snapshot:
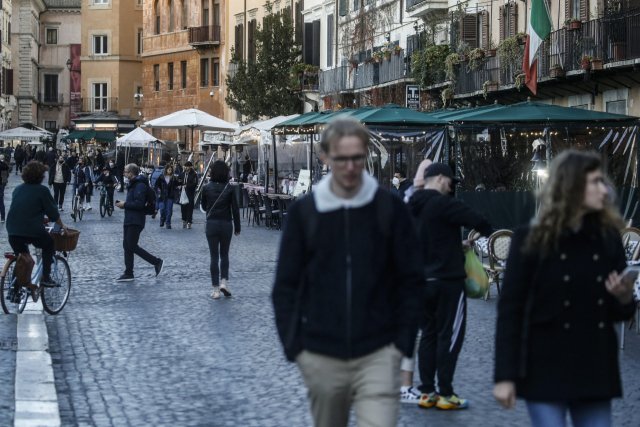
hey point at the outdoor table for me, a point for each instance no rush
(256, 188)
(282, 196)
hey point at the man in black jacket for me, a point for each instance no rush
(120, 169)
(134, 221)
(189, 180)
(51, 158)
(348, 288)
(19, 155)
(439, 217)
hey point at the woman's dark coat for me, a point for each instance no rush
(167, 191)
(220, 202)
(555, 330)
(66, 172)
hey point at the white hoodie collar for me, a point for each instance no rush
(326, 201)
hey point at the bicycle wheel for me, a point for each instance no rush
(11, 305)
(80, 212)
(54, 297)
(103, 207)
(75, 208)
(109, 208)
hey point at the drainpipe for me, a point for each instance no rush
(245, 33)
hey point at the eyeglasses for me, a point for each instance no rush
(343, 161)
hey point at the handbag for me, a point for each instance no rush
(477, 283)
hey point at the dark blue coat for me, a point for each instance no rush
(134, 204)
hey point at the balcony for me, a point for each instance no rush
(364, 75)
(51, 98)
(98, 105)
(418, 8)
(205, 35)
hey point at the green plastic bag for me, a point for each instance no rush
(477, 282)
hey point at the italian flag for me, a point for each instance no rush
(538, 29)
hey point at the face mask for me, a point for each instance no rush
(126, 179)
(395, 181)
(110, 163)
(60, 161)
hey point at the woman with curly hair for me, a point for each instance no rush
(30, 203)
(555, 343)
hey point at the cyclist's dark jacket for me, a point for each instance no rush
(29, 205)
(136, 199)
(107, 180)
(83, 175)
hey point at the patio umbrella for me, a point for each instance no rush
(392, 114)
(191, 119)
(137, 138)
(24, 134)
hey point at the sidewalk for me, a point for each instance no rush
(8, 350)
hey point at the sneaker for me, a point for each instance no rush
(452, 402)
(215, 295)
(1, 221)
(161, 223)
(428, 401)
(159, 267)
(88, 206)
(184, 224)
(125, 278)
(61, 209)
(409, 394)
(189, 225)
(168, 227)
(225, 290)
(48, 283)
(72, 215)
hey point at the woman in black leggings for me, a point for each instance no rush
(221, 205)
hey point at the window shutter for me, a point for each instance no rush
(9, 85)
(501, 23)
(307, 45)
(343, 7)
(316, 43)
(330, 41)
(584, 10)
(485, 30)
(469, 27)
(513, 19)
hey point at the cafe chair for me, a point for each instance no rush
(271, 215)
(258, 211)
(245, 201)
(281, 212)
(499, 243)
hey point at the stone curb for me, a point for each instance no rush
(36, 400)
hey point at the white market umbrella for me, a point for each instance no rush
(137, 138)
(23, 134)
(191, 119)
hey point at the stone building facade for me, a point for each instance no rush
(7, 101)
(184, 60)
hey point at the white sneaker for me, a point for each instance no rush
(225, 290)
(409, 395)
(215, 295)
(88, 206)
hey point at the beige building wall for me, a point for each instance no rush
(7, 102)
(120, 68)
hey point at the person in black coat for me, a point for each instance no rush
(188, 180)
(246, 168)
(40, 156)
(51, 157)
(220, 202)
(59, 178)
(167, 186)
(19, 156)
(99, 162)
(110, 182)
(556, 346)
(120, 169)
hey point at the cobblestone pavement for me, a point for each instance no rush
(160, 352)
(8, 348)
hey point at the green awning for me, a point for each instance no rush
(392, 114)
(296, 120)
(536, 112)
(82, 134)
(105, 136)
(465, 112)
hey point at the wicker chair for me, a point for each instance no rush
(499, 243)
(628, 235)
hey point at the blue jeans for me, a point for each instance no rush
(166, 211)
(596, 413)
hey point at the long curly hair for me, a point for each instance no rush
(561, 200)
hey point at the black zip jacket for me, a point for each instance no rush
(364, 288)
(71, 162)
(225, 207)
(191, 182)
(438, 220)
(66, 173)
(107, 180)
(167, 191)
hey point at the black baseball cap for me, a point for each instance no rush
(438, 168)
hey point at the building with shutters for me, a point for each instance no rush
(111, 60)
(7, 100)
(185, 53)
(44, 35)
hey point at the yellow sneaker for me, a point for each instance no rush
(427, 401)
(453, 402)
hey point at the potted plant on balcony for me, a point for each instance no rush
(476, 59)
(386, 53)
(396, 50)
(377, 56)
(596, 63)
(463, 51)
(298, 69)
(447, 95)
(489, 86)
(491, 49)
(354, 63)
(556, 71)
(585, 63)
(510, 55)
(520, 80)
(522, 38)
(451, 62)
(573, 24)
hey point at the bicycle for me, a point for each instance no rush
(54, 297)
(77, 208)
(105, 203)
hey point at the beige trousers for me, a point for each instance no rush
(371, 383)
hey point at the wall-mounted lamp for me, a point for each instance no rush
(388, 37)
(69, 65)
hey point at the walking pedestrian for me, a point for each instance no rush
(134, 222)
(401, 184)
(4, 180)
(40, 156)
(51, 158)
(167, 190)
(120, 169)
(59, 178)
(556, 346)
(83, 183)
(72, 160)
(189, 181)
(220, 202)
(246, 168)
(99, 164)
(439, 217)
(348, 288)
(157, 173)
(19, 156)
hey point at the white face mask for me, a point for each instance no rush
(110, 163)
(126, 180)
(395, 181)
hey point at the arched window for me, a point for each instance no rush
(185, 14)
(172, 16)
(156, 13)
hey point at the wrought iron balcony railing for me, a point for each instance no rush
(99, 104)
(51, 98)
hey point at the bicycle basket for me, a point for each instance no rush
(65, 242)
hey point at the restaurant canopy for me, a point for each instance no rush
(137, 138)
(23, 134)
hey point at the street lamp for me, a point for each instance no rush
(69, 65)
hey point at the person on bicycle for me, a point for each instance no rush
(30, 203)
(110, 182)
(82, 174)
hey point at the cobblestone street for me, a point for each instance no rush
(160, 352)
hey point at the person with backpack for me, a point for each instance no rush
(140, 202)
(348, 290)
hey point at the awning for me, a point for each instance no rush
(105, 136)
(82, 134)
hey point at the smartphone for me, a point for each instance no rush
(117, 201)
(632, 272)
